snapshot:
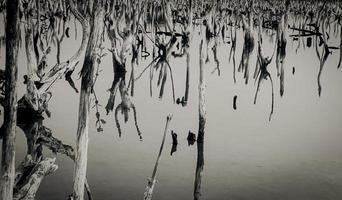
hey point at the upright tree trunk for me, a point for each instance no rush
(201, 98)
(10, 108)
(200, 136)
(199, 171)
(91, 56)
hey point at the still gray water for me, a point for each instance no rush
(296, 155)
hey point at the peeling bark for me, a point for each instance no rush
(28, 189)
(91, 55)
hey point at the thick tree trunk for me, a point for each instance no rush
(31, 96)
(10, 109)
(91, 56)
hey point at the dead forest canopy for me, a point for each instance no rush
(130, 31)
(160, 31)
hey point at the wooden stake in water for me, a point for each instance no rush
(152, 181)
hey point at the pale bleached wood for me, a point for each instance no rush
(152, 181)
(201, 129)
(29, 188)
(87, 73)
(201, 97)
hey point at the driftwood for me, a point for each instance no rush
(10, 106)
(37, 136)
(56, 146)
(152, 181)
(27, 187)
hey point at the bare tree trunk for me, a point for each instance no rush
(31, 96)
(201, 106)
(199, 171)
(200, 136)
(10, 115)
(91, 56)
(152, 181)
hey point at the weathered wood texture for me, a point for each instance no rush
(152, 181)
(27, 188)
(87, 73)
(10, 108)
(201, 129)
(199, 171)
(201, 98)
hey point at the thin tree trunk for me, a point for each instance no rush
(200, 136)
(87, 73)
(10, 109)
(199, 171)
(201, 105)
(152, 181)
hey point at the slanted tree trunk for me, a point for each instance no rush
(28, 190)
(10, 108)
(87, 73)
(152, 181)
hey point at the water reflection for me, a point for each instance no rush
(199, 171)
(35, 167)
(168, 33)
(174, 142)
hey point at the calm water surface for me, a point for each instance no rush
(297, 155)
